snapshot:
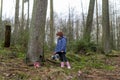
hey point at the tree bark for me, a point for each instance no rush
(21, 31)
(27, 27)
(7, 36)
(97, 32)
(22, 21)
(106, 26)
(119, 38)
(77, 29)
(1, 28)
(51, 24)
(1, 6)
(37, 31)
(112, 35)
(87, 30)
(22, 24)
(70, 36)
(15, 33)
(83, 20)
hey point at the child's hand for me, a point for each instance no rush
(54, 53)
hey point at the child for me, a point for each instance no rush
(61, 49)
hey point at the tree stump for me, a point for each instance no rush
(7, 35)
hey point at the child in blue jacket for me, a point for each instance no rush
(61, 49)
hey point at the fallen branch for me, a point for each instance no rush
(52, 61)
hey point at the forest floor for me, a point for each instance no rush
(92, 67)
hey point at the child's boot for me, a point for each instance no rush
(62, 64)
(68, 65)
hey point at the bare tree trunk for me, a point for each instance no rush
(77, 29)
(21, 31)
(1, 28)
(111, 35)
(83, 21)
(70, 24)
(106, 26)
(113, 27)
(97, 33)
(22, 22)
(27, 27)
(51, 24)
(7, 36)
(47, 37)
(87, 30)
(117, 26)
(119, 38)
(15, 33)
(1, 6)
(37, 31)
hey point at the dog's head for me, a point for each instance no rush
(55, 57)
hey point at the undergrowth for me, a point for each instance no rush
(78, 62)
(92, 61)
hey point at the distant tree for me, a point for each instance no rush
(51, 24)
(106, 26)
(22, 24)
(1, 6)
(119, 37)
(97, 32)
(28, 15)
(7, 35)
(112, 35)
(113, 25)
(77, 29)
(27, 25)
(1, 29)
(87, 30)
(28, 11)
(83, 19)
(15, 33)
(70, 25)
(37, 31)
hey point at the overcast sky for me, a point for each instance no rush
(60, 6)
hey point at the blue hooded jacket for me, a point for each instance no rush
(61, 44)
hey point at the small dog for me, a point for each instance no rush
(55, 57)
